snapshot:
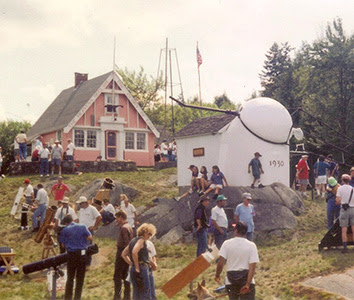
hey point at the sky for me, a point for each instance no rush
(43, 43)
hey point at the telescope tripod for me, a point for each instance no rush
(56, 274)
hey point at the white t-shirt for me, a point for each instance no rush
(218, 214)
(164, 148)
(344, 193)
(70, 149)
(42, 197)
(44, 153)
(151, 248)
(62, 212)
(16, 145)
(109, 208)
(28, 190)
(21, 138)
(88, 215)
(130, 210)
(239, 254)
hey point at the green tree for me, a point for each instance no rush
(224, 102)
(8, 132)
(145, 90)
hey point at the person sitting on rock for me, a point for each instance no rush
(216, 182)
(203, 179)
(107, 212)
(194, 182)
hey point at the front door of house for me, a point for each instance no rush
(111, 145)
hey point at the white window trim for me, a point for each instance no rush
(85, 129)
(136, 141)
(116, 102)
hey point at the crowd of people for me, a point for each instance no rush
(165, 151)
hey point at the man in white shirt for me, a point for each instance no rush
(44, 161)
(57, 156)
(346, 216)
(130, 210)
(28, 193)
(21, 139)
(240, 256)
(89, 216)
(70, 150)
(164, 150)
(42, 201)
(219, 221)
(60, 214)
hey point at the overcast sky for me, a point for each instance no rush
(42, 43)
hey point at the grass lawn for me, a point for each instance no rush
(285, 260)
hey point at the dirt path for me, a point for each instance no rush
(338, 284)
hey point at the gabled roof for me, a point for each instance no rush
(205, 126)
(72, 103)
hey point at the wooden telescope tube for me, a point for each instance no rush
(49, 217)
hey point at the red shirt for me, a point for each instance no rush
(59, 191)
(303, 169)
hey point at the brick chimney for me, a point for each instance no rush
(80, 77)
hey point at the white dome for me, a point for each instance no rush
(267, 118)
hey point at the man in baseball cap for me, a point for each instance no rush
(219, 221)
(245, 212)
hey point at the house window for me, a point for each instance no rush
(140, 141)
(85, 138)
(135, 141)
(108, 99)
(129, 140)
(91, 139)
(79, 138)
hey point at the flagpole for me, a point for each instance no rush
(200, 91)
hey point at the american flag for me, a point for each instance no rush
(199, 57)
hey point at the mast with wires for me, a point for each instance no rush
(170, 57)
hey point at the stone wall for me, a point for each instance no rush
(30, 168)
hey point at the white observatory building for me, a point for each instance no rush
(229, 141)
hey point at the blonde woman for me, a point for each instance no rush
(136, 254)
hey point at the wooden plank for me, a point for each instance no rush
(17, 201)
(188, 274)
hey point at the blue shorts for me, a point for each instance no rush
(56, 161)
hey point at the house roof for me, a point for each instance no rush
(71, 103)
(204, 126)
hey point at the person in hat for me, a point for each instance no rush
(164, 150)
(201, 224)
(70, 150)
(245, 212)
(333, 208)
(60, 214)
(42, 201)
(257, 170)
(351, 176)
(240, 257)
(90, 217)
(219, 221)
(302, 174)
(346, 215)
(57, 156)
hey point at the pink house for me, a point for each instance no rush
(102, 118)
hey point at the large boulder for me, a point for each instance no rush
(276, 207)
(90, 190)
